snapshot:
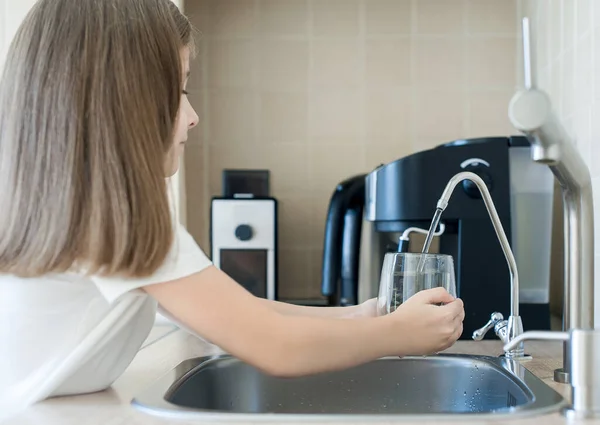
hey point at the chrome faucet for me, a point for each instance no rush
(509, 329)
(530, 111)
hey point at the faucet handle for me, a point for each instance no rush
(495, 318)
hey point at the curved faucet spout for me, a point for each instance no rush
(489, 204)
(513, 327)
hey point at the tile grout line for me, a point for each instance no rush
(206, 131)
(412, 74)
(466, 124)
(362, 60)
(309, 138)
(257, 88)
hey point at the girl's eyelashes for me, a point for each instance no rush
(184, 92)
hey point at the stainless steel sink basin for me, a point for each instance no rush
(445, 386)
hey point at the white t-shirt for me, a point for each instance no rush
(70, 334)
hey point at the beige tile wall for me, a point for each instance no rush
(319, 90)
(568, 58)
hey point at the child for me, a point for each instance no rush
(93, 116)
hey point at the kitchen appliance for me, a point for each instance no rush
(243, 231)
(245, 183)
(403, 194)
(342, 242)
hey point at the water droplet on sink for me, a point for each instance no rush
(465, 393)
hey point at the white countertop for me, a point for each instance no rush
(166, 347)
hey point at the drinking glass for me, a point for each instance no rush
(404, 274)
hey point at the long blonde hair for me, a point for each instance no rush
(88, 102)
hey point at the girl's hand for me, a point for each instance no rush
(428, 327)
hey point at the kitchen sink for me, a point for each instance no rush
(440, 386)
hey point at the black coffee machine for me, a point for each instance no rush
(340, 274)
(403, 194)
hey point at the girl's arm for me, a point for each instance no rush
(213, 305)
